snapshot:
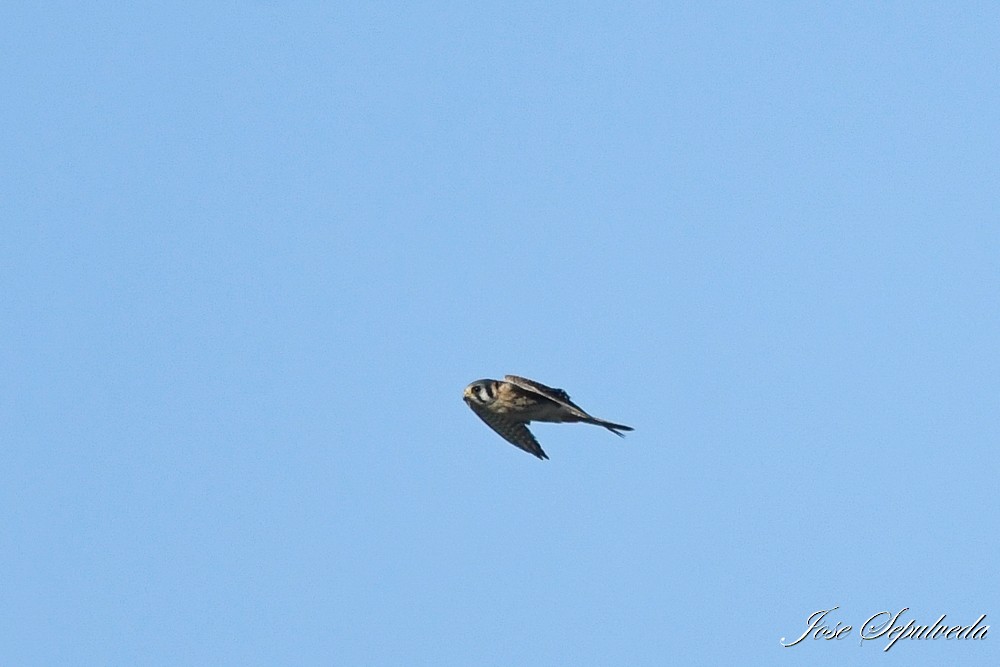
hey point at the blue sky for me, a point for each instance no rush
(253, 253)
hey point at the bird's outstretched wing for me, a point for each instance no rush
(555, 395)
(562, 398)
(514, 432)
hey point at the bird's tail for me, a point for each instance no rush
(611, 426)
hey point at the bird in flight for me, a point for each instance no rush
(509, 405)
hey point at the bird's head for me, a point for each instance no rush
(480, 391)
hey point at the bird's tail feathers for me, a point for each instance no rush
(611, 426)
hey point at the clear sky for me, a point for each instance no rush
(252, 254)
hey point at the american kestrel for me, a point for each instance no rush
(509, 405)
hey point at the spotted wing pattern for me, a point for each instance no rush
(556, 395)
(560, 397)
(514, 432)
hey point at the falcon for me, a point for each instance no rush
(509, 405)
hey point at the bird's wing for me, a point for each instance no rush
(514, 432)
(562, 398)
(555, 395)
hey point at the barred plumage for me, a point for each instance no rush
(509, 405)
